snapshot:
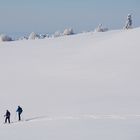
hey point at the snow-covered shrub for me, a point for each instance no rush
(101, 29)
(5, 38)
(128, 24)
(47, 36)
(23, 38)
(42, 36)
(68, 31)
(57, 34)
(33, 36)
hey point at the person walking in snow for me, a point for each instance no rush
(19, 111)
(7, 116)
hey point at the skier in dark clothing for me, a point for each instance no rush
(19, 111)
(7, 115)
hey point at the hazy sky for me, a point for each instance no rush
(51, 15)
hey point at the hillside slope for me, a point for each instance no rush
(72, 80)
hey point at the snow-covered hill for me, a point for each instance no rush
(79, 87)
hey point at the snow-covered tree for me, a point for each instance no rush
(33, 36)
(128, 24)
(101, 29)
(68, 31)
(5, 38)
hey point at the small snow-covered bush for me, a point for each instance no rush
(68, 31)
(101, 29)
(23, 38)
(5, 38)
(42, 36)
(33, 36)
(57, 34)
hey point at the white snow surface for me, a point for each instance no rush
(79, 87)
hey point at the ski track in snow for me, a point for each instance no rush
(80, 117)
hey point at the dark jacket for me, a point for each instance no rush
(19, 110)
(7, 114)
